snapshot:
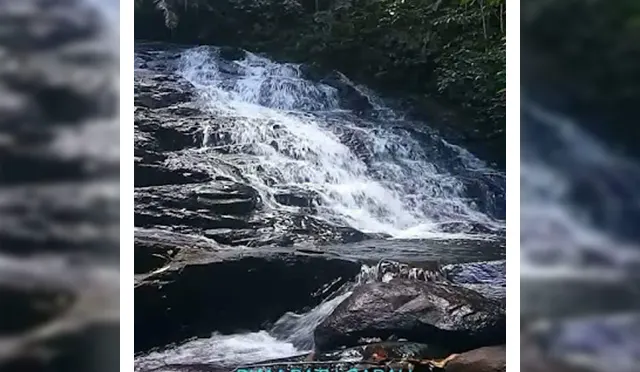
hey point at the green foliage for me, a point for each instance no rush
(595, 44)
(451, 51)
(588, 53)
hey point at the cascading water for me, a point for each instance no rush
(366, 168)
(363, 172)
(577, 200)
(579, 212)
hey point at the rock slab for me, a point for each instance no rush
(434, 313)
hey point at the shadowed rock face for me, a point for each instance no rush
(460, 319)
(202, 287)
(175, 187)
(59, 188)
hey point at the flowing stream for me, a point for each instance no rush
(375, 173)
(580, 208)
(369, 169)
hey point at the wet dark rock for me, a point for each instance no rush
(420, 253)
(161, 79)
(144, 142)
(323, 232)
(155, 247)
(24, 309)
(158, 100)
(251, 237)
(217, 205)
(357, 141)
(69, 218)
(231, 53)
(484, 195)
(158, 135)
(488, 272)
(218, 166)
(464, 227)
(294, 197)
(158, 90)
(487, 278)
(226, 291)
(145, 216)
(185, 111)
(497, 293)
(219, 197)
(349, 95)
(458, 318)
(312, 71)
(142, 156)
(229, 68)
(484, 359)
(350, 235)
(157, 175)
(231, 236)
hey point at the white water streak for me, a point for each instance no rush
(268, 111)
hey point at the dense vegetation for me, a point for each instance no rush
(583, 56)
(448, 56)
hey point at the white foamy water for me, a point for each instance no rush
(292, 334)
(220, 350)
(365, 174)
(558, 232)
(298, 328)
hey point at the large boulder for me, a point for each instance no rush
(453, 317)
(484, 359)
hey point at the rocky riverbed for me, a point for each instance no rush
(287, 218)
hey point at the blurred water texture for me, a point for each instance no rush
(59, 185)
(580, 201)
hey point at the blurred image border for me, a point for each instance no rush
(126, 186)
(513, 186)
